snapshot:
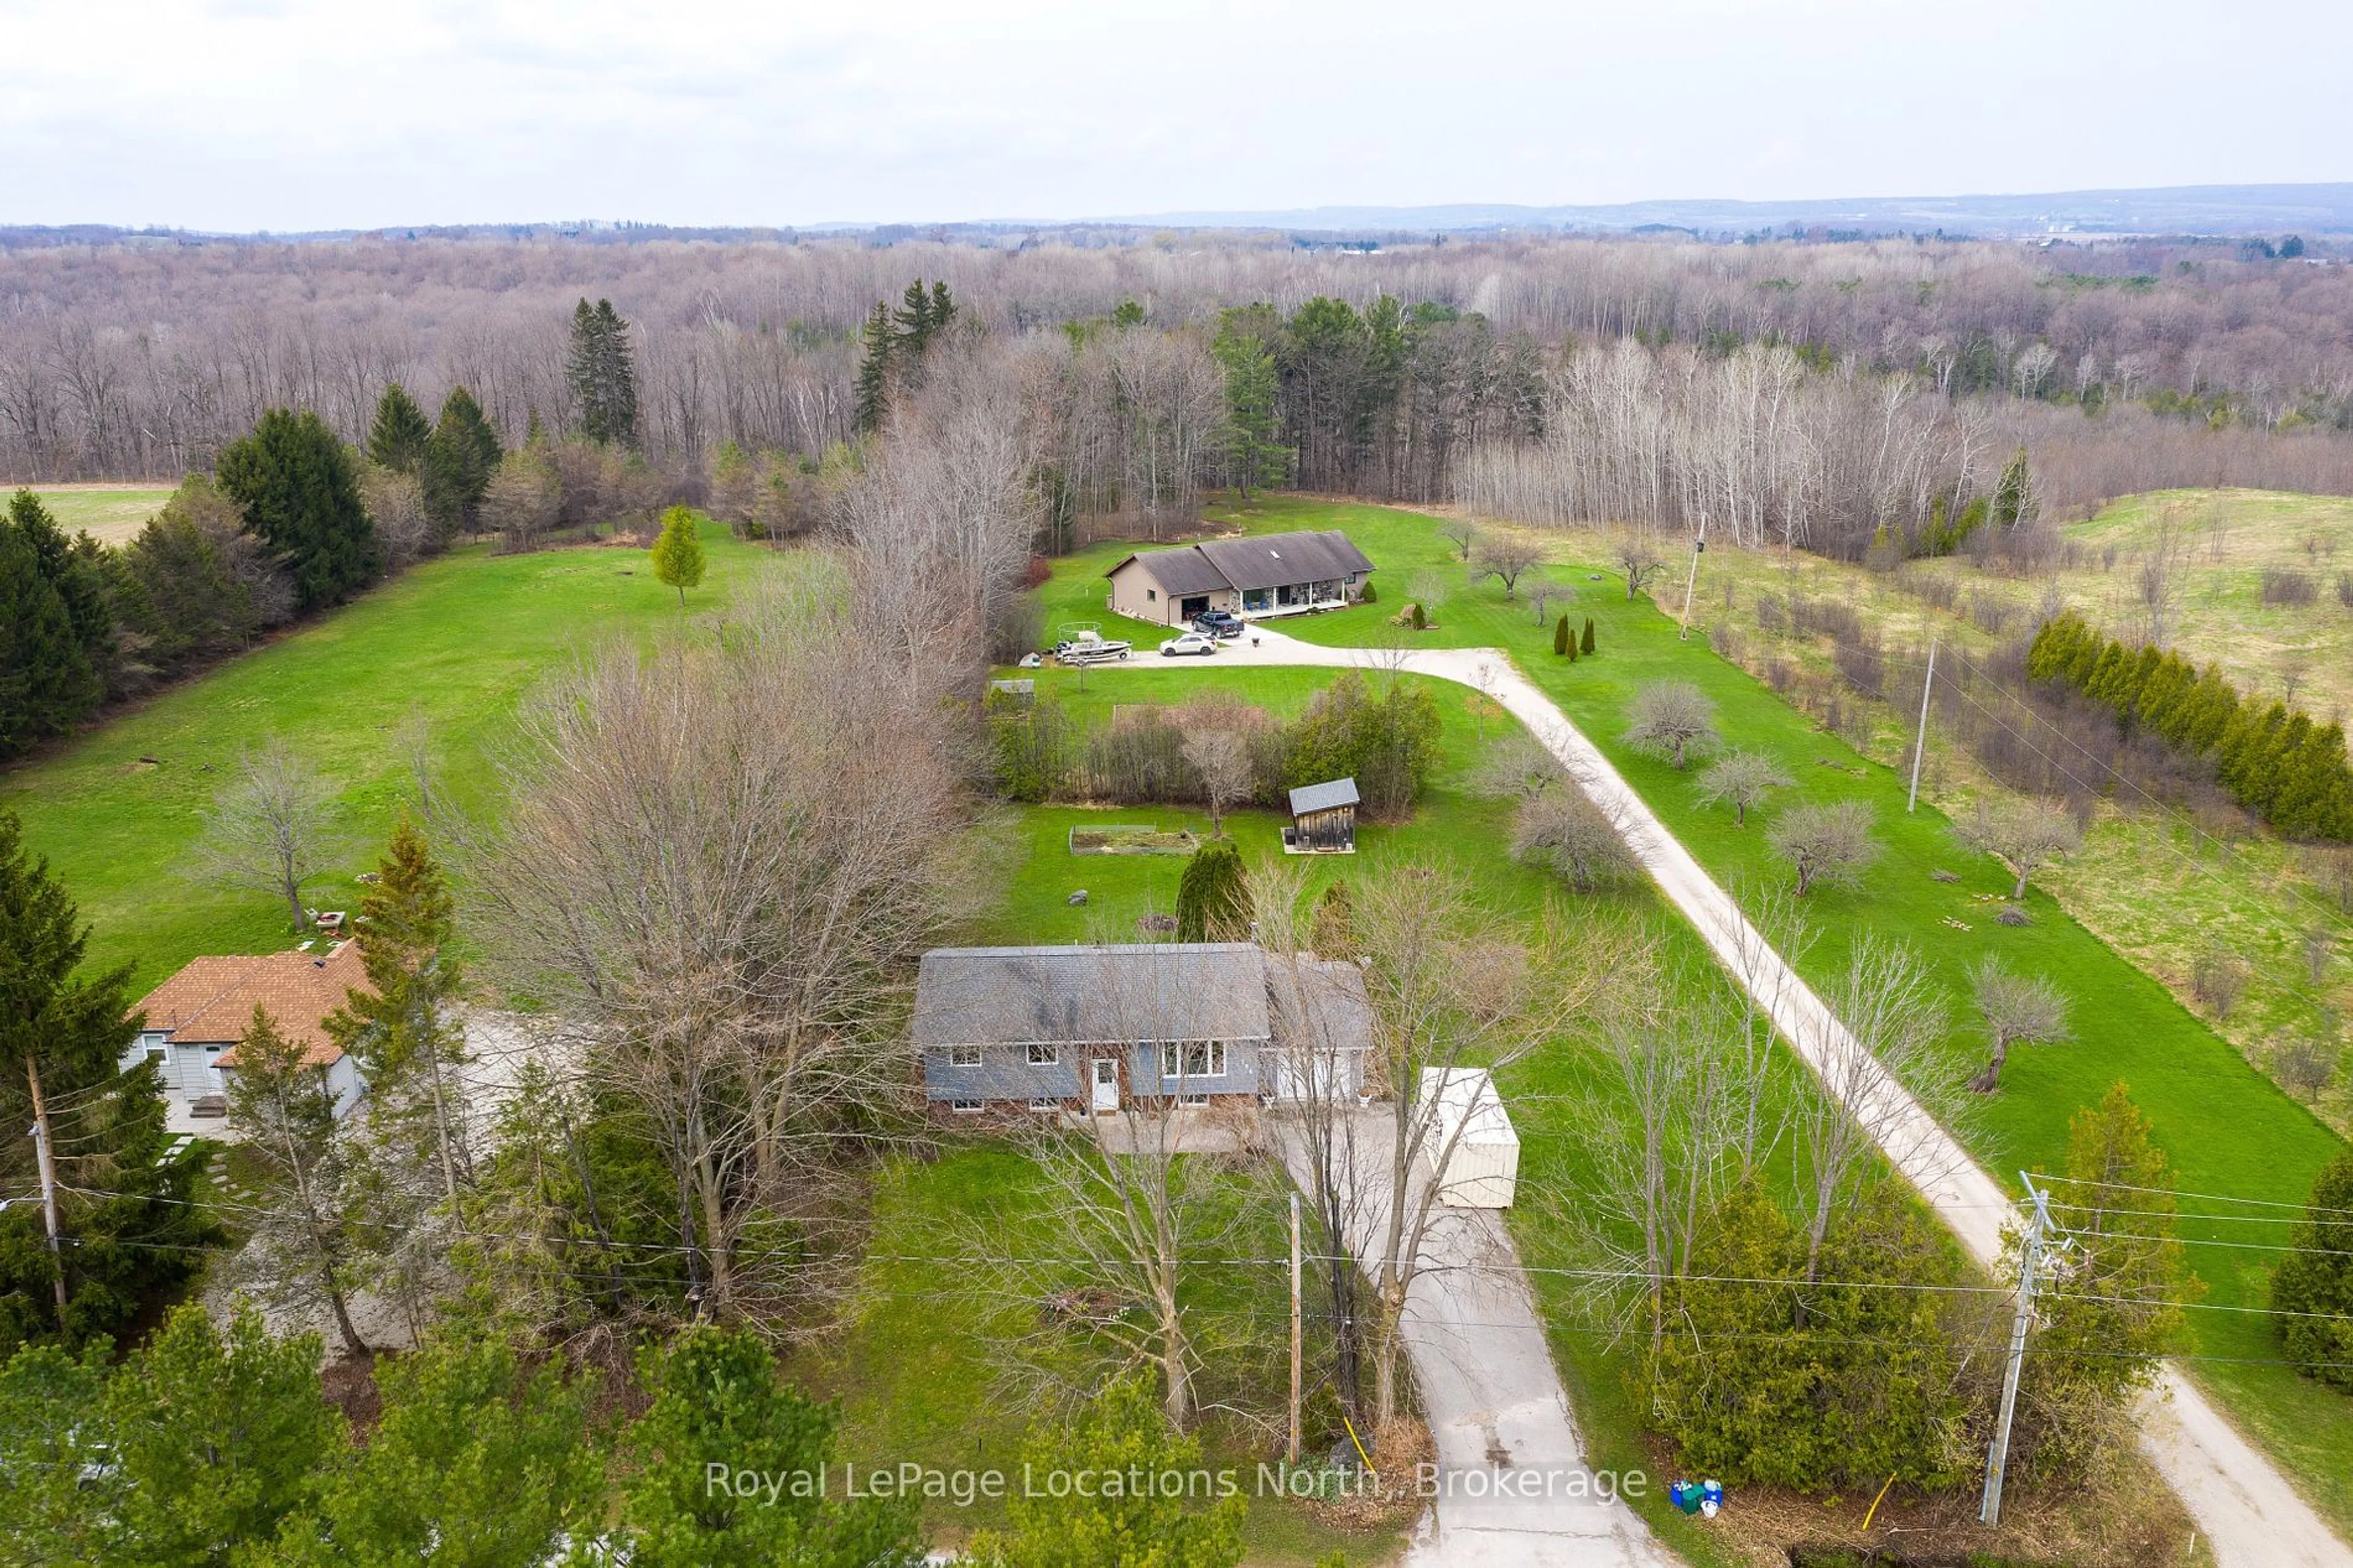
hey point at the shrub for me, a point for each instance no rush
(2218, 979)
(1387, 744)
(1588, 635)
(1371, 595)
(2306, 1066)
(2286, 586)
(1560, 637)
(1723, 641)
(1419, 616)
(2345, 589)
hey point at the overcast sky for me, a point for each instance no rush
(295, 114)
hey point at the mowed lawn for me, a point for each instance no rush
(454, 642)
(2226, 1129)
(114, 514)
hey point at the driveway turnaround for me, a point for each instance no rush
(1511, 1488)
(2252, 1517)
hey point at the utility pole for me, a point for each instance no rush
(1920, 746)
(2030, 1265)
(46, 1158)
(1294, 1328)
(1690, 583)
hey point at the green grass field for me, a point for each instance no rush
(455, 641)
(111, 513)
(2226, 1129)
(2158, 886)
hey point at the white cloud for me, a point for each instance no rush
(297, 114)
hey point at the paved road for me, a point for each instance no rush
(2252, 1517)
(1511, 1489)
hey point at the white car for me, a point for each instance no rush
(1191, 642)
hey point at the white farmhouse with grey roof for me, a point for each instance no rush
(1099, 1028)
(1255, 576)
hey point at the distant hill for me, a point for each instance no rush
(2169, 210)
(2311, 211)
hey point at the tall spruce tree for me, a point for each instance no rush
(400, 1029)
(47, 682)
(603, 374)
(459, 459)
(62, 1036)
(877, 344)
(295, 484)
(397, 440)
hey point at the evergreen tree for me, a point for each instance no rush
(50, 1448)
(296, 486)
(603, 375)
(397, 440)
(2312, 1286)
(877, 343)
(474, 1461)
(914, 319)
(1256, 458)
(461, 455)
(215, 1438)
(1560, 637)
(399, 1029)
(1119, 1431)
(76, 569)
(47, 683)
(62, 1035)
(309, 1240)
(678, 553)
(1213, 897)
(717, 1401)
(1588, 643)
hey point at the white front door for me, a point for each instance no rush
(1107, 1099)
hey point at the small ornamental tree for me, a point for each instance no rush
(678, 553)
(1212, 900)
(1741, 780)
(2026, 834)
(2013, 1009)
(1670, 720)
(1588, 643)
(1827, 845)
(1560, 639)
(2312, 1286)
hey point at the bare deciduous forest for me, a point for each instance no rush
(1819, 389)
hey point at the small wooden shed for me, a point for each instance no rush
(1322, 819)
(1471, 1148)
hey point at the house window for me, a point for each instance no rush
(1150, 594)
(1045, 1056)
(966, 1106)
(1045, 1104)
(963, 1055)
(1194, 1058)
(1192, 1100)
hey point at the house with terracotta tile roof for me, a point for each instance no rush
(195, 1020)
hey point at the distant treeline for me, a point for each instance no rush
(2223, 363)
(2274, 759)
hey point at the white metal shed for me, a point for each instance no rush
(1471, 1148)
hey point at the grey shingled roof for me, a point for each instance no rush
(1271, 560)
(1160, 991)
(1264, 560)
(1323, 796)
(1320, 1004)
(1178, 572)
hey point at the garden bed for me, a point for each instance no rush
(1127, 840)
